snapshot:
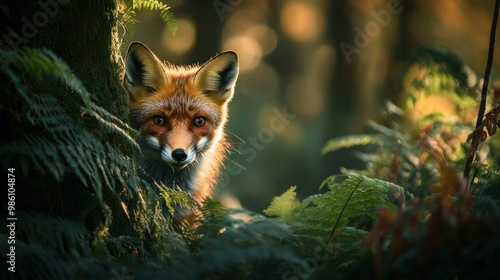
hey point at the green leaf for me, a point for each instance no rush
(283, 206)
(333, 219)
(166, 15)
(61, 118)
(350, 141)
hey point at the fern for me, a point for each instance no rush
(370, 194)
(59, 141)
(363, 194)
(488, 173)
(235, 248)
(382, 148)
(405, 157)
(351, 141)
(74, 146)
(177, 202)
(56, 139)
(74, 151)
(152, 5)
(126, 18)
(335, 216)
(446, 66)
(65, 262)
(63, 249)
(85, 183)
(283, 206)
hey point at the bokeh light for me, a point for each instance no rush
(301, 21)
(183, 41)
(264, 36)
(290, 57)
(249, 51)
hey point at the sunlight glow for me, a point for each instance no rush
(183, 41)
(301, 21)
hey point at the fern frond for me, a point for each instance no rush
(332, 217)
(351, 141)
(59, 140)
(126, 17)
(446, 63)
(176, 200)
(43, 65)
(283, 206)
(240, 244)
(166, 15)
(57, 248)
(488, 173)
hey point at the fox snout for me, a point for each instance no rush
(176, 155)
(179, 155)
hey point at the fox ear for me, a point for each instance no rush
(217, 76)
(144, 72)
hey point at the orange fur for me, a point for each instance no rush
(180, 113)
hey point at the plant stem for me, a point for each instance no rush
(340, 216)
(484, 91)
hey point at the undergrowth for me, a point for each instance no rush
(86, 211)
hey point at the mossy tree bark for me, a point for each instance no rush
(84, 34)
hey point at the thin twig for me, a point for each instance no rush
(487, 72)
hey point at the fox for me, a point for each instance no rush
(180, 113)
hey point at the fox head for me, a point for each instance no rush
(180, 112)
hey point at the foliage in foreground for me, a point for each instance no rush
(86, 212)
(128, 19)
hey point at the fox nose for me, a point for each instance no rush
(179, 155)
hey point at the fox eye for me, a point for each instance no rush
(199, 121)
(159, 121)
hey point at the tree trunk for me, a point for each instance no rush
(84, 34)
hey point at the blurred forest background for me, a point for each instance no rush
(309, 59)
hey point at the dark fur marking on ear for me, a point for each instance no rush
(135, 68)
(227, 75)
